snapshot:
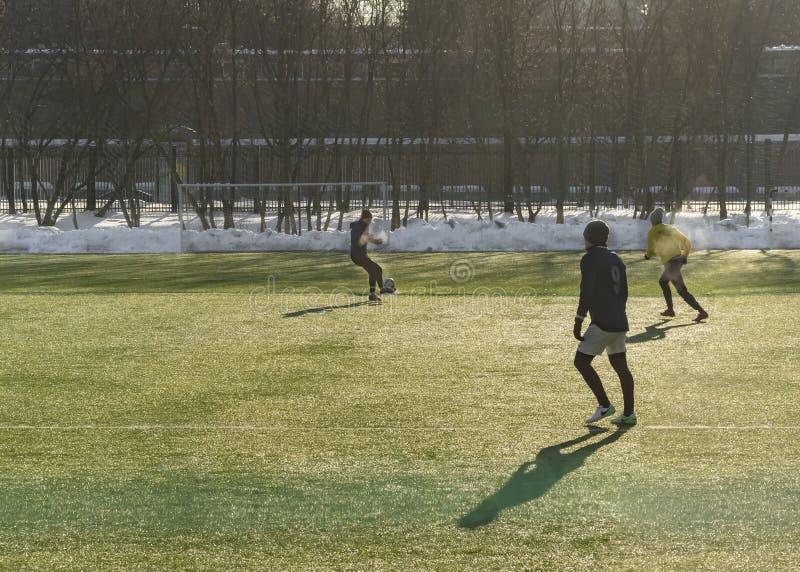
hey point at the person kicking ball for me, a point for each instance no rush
(604, 293)
(359, 238)
(673, 248)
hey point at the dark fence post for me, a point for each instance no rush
(768, 177)
(593, 206)
(91, 188)
(173, 184)
(8, 178)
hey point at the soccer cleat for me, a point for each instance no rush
(387, 290)
(601, 412)
(701, 316)
(669, 313)
(623, 419)
(374, 298)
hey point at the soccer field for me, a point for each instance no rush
(246, 412)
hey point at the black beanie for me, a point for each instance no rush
(596, 232)
(657, 216)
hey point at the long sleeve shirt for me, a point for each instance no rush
(358, 240)
(667, 242)
(604, 289)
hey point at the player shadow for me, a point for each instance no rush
(534, 478)
(653, 332)
(322, 309)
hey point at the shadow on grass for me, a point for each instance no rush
(322, 309)
(534, 478)
(653, 332)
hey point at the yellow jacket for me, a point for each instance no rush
(668, 242)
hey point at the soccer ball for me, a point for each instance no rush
(389, 284)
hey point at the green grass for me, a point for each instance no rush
(241, 412)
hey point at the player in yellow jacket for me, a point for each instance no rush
(673, 247)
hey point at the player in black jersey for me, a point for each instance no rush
(359, 238)
(604, 293)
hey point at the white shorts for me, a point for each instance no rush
(596, 340)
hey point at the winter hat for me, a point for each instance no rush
(657, 216)
(596, 232)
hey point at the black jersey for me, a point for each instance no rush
(358, 251)
(604, 289)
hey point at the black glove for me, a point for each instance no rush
(576, 330)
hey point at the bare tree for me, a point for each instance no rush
(51, 117)
(637, 33)
(137, 66)
(725, 27)
(481, 107)
(566, 21)
(784, 83)
(9, 70)
(535, 84)
(393, 101)
(757, 23)
(208, 114)
(282, 32)
(430, 30)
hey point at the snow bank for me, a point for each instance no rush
(508, 233)
(236, 240)
(52, 240)
(160, 234)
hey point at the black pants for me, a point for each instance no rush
(373, 269)
(583, 363)
(672, 273)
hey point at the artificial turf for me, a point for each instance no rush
(208, 412)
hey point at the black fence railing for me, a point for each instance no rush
(423, 179)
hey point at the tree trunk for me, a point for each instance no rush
(562, 180)
(8, 179)
(722, 178)
(508, 171)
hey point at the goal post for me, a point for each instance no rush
(292, 208)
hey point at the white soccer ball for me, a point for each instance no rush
(389, 283)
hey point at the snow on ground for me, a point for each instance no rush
(460, 232)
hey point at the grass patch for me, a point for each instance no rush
(190, 412)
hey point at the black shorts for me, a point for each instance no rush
(672, 270)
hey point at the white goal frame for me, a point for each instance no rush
(183, 188)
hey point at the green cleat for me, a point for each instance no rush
(629, 420)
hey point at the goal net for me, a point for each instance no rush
(292, 208)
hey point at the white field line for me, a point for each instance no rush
(255, 428)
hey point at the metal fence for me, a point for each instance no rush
(297, 207)
(427, 178)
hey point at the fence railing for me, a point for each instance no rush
(444, 199)
(446, 178)
(298, 207)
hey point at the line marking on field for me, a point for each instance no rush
(245, 428)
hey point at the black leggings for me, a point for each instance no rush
(672, 273)
(375, 271)
(583, 363)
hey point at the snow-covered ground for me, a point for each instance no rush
(461, 232)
